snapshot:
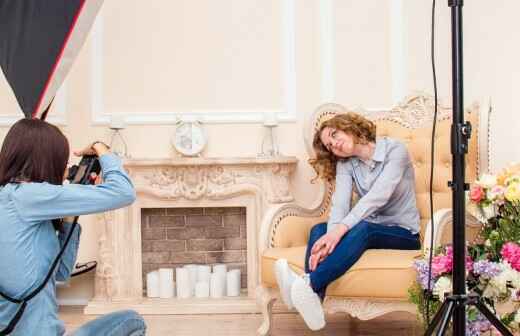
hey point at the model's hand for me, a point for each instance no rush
(316, 258)
(328, 242)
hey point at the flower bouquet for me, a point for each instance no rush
(492, 262)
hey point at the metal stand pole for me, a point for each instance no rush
(454, 306)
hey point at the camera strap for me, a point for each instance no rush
(23, 301)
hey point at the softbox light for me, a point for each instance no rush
(39, 40)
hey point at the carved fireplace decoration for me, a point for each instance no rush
(253, 183)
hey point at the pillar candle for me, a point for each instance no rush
(192, 270)
(152, 284)
(220, 268)
(203, 273)
(217, 285)
(233, 283)
(202, 289)
(183, 282)
(165, 283)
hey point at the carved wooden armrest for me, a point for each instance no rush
(277, 216)
(443, 219)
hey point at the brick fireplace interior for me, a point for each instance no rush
(174, 237)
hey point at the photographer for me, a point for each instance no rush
(34, 211)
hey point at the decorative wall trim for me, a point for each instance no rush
(327, 38)
(286, 114)
(397, 52)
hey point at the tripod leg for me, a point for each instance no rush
(436, 319)
(446, 318)
(492, 318)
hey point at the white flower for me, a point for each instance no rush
(515, 278)
(487, 181)
(498, 285)
(442, 286)
(491, 291)
(487, 243)
(517, 317)
(496, 194)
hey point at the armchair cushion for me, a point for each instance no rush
(384, 274)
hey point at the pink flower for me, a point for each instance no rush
(469, 264)
(476, 194)
(496, 194)
(441, 264)
(511, 253)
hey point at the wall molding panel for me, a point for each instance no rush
(286, 113)
(327, 52)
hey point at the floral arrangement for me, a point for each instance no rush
(492, 261)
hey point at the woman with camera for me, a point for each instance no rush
(35, 211)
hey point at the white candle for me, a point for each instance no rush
(202, 289)
(217, 285)
(233, 283)
(203, 273)
(182, 275)
(165, 283)
(270, 119)
(220, 268)
(152, 284)
(192, 270)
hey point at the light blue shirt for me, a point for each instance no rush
(29, 243)
(385, 185)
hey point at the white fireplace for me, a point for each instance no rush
(252, 183)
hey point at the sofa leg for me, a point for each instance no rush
(265, 298)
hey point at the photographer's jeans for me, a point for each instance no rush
(120, 323)
(361, 237)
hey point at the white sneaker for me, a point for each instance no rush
(285, 277)
(308, 304)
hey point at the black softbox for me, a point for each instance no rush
(39, 40)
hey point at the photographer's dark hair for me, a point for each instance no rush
(34, 151)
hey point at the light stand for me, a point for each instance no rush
(455, 304)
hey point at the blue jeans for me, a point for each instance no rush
(119, 323)
(361, 237)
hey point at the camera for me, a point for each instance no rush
(82, 173)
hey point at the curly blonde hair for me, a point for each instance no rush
(362, 130)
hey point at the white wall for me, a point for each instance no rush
(227, 62)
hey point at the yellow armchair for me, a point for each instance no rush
(377, 284)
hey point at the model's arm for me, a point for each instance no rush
(383, 187)
(340, 204)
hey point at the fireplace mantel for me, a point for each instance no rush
(213, 178)
(253, 183)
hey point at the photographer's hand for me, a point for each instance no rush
(97, 148)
